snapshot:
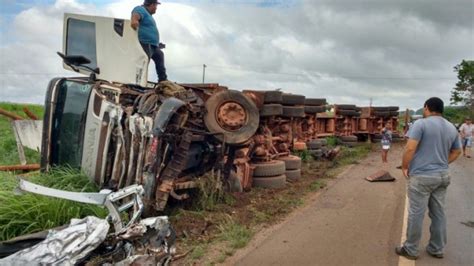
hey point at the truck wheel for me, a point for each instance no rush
(291, 162)
(348, 138)
(314, 109)
(270, 182)
(272, 97)
(272, 168)
(293, 111)
(346, 106)
(271, 109)
(314, 144)
(293, 175)
(348, 112)
(315, 101)
(233, 115)
(293, 99)
(382, 113)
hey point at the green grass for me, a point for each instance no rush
(198, 252)
(304, 155)
(353, 155)
(8, 148)
(316, 185)
(29, 213)
(235, 234)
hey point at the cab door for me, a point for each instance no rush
(110, 44)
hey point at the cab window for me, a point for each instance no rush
(81, 40)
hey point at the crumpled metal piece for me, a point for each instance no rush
(64, 247)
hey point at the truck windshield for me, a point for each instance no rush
(69, 122)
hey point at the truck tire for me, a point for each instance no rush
(293, 111)
(293, 175)
(317, 154)
(293, 99)
(382, 113)
(292, 162)
(315, 101)
(381, 108)
(232, 136)
(272, 168)
(271, 109)
(345, 106)
(348, 138)
(272, 97)
(314, 144)
(348, 113)
(314, 109)
(270, 182)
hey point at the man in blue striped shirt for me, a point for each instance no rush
(149, 36)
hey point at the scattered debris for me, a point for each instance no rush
(468, 224)
(380, 176)
(29, 113)
(146, 241)
(10, 115)
(27, 167)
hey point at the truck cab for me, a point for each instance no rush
(121, 129)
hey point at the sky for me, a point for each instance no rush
(390, 52)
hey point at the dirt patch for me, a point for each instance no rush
(209, 236)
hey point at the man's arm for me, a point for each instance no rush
(408, 154)
(135, 20)
(453, 155)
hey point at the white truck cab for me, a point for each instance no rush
(111, 46)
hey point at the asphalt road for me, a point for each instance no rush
(355, 222)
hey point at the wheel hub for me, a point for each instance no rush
(231, 116)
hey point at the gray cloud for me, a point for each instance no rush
(395, 52)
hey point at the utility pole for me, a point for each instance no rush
(370, 102)
(203, 72)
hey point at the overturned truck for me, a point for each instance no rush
(121, 129)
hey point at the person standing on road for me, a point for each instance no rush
(466, 130)
(386, 141)
(149, 36)
(433, 143)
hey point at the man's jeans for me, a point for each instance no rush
(426, 191)
(158, 57)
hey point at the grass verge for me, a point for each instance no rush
(29, 213)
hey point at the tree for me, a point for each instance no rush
(463, 92)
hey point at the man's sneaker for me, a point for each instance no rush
(401, 251)
(434, 255)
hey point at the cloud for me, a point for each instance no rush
(393, 52)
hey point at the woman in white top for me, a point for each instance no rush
(386, 141)
(466, 130)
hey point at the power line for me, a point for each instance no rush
(307, 73)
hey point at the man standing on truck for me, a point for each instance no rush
(148, 35)
(433, 143)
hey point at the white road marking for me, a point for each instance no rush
(402, 261)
